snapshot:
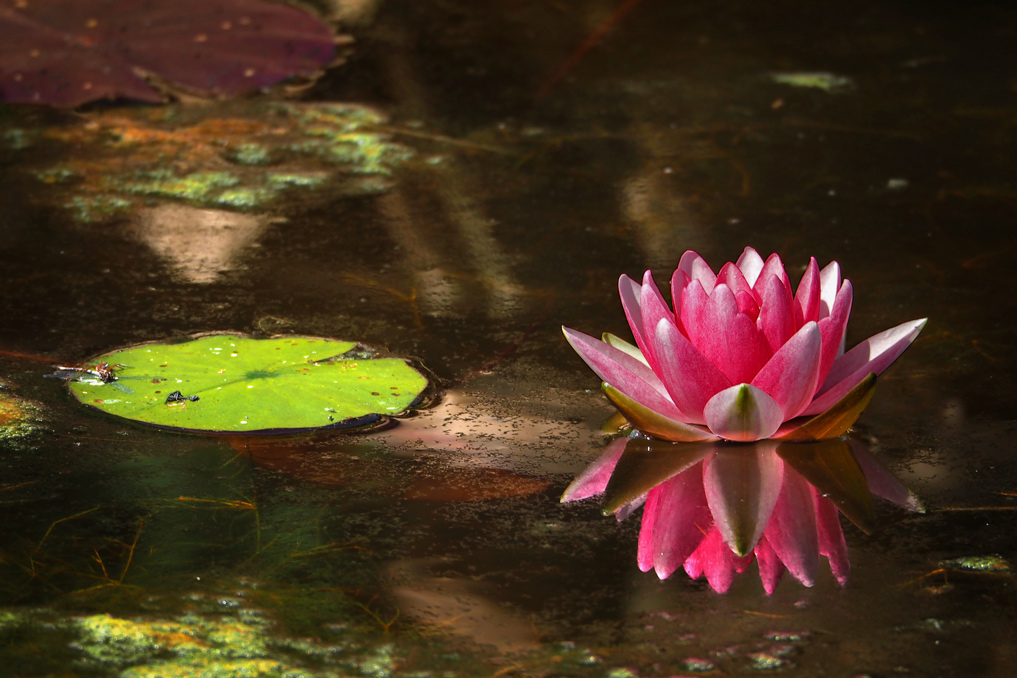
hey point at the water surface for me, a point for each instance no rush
(439, 547)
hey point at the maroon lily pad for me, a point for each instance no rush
(69, 53)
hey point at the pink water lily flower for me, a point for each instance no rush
(741, 356)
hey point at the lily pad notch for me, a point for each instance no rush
(226, 383)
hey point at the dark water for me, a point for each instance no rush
(440, 546)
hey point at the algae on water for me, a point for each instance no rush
(241, 156)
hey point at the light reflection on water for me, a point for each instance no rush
(666, 137)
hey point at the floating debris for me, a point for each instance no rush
(828, 82)
(990, 563)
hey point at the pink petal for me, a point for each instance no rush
(792, 374)
(742, 486)
(683, 517)
(629, 291)
(714, 559)
(654, 309)
(792, 528)
(696, 268)
(693, 306)
(624, 372)
(747, 305)
(750, 264)
(872, 356)
(770, 567)
(732, 276)
(593, 480)
(829, 283)
(624, 347)
(807, 298)
(644, 552)
(776, 318)
(688, 376)
(773, 267)
(831, 539)
(743, 413)
(730, 339)
(679, 281)
(832, 328)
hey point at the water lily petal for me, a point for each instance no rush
(836, 420)
(732, 276)
(829, 283)
(873, 355)
(831, 539)
(683, 517)
(770, 567)
(750, 264)
(644, 551)
(730, 339)
(743, 413)
(747, 304)
(696, 268)
(594, 478)
(776, 317)
(881, 482)
(715, 560)
(679, 281)
(792, 374)
(654, 423)
(773, 267)
(693, 305)
(628, 375)
(688, 376)
(791, 530)
(624, 347)
(646, 464)
(742, 485)
(833, 328)
(628, 509)
(807, 298)
(629, 290)
(653, 309)
(832, 468)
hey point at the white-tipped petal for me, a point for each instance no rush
(743, 413)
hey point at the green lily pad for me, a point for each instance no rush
(235, 384)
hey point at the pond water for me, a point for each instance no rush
(502, 180)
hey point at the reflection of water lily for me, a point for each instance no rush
(713, 508)
(741, 357)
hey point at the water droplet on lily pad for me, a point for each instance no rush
(229, 383)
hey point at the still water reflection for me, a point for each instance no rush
(440, 546)
(713, 508)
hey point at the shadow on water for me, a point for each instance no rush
(455, 217)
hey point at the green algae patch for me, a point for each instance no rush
(235, 384)
(106, 639)
(244, 668)
(209, 639)
(241, 156)
(18, 417)
(992, 564)
(185, 647)
(198, 187)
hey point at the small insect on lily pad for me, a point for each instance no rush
(231, 384)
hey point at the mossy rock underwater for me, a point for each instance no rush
(236, 384)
